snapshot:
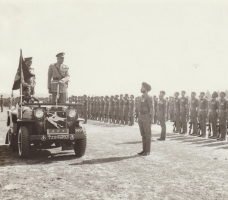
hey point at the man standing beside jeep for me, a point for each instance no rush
(58, 75)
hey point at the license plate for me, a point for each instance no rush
(57, 131)
(60, 137)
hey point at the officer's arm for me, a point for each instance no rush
(67, 77)
(49, 77)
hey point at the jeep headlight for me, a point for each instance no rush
(72, 113)
(39, 113)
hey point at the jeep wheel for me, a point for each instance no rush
(23, 142)
(80, 147)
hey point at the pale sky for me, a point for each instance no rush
(111, 47)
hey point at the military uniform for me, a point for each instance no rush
(121, 105)
(85, 108)
(171, 110)
(155, 111)
(213, 115)
(116, 110)
(193, 114)
(177, 113)
(89, 108)
(136, 110)
(145, 108)
(161, 109)
(222, 117)
(126, 110)
(58, 74)
(131, 111)
(102, 105)
(183, 113)
(92, 108)
(203, 110)
(106, 109)
(111, 110)
(1, 103)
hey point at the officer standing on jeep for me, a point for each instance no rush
(58, 74)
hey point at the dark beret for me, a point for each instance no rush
(117, 95)
(215, 93)
(60, 54)
(126, 95)
(223, 93)
(146, 86)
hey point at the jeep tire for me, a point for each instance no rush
(80, 147)
(23, 142)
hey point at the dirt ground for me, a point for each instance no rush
(182, 167)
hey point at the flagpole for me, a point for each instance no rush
(21, 81)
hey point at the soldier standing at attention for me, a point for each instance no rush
(131, 110)
(203, 113)
(85, 108)
(194, 104)
(116, 109)
(126, 109)
(58, 74)
(213, 114)
(106, 108)
(155, 109)
(222, 116)
(95, 108)
(98, 109)
(167, 108)
(161, 115)
(171, 109)
(1, 103)
(136, 110)
(145, 108)
(177, 111)
(88, 107)
(91, 108)
(183, 111)
(102, 104)
(111, 108)
(121, 105)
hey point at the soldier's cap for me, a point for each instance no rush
(146, 86)
(117, 95)
(126, 95)
(177, 93)
(202, 93)
(162, 92)
(183, 91)
(112, 96)
(121, 95)
(132, 95)
(194, 93)
(102, 96)
(215, 93)
(60, 55)
(28, 59)
(223, 93)
(85, 95)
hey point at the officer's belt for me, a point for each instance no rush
(56, 79)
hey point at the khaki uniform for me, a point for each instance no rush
(171, 110)
(222, 117)
(193, 113)
(213, 115)
(116, 111)
(106, 109)
(102, 108)
(161, 109)
(1, 103)
(131, 111)
(145, 106)
(203, 110)
(155, 111)
(177, 113)
(183, 113)
(126, 111)
(56, 73)
(85, 110)
(121, 105)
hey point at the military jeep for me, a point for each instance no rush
(43, 126)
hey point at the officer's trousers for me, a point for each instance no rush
(155, 117)
(177, 120)
(202, 122)
(126, 119)
(121, 115)
(194, 121)
(131, 118)
(85, 114)
(161, 118)
(171, 114)
(222, 124)
(145, 130)
(62, 97)
(1, 108)
(183, 119)
(213, 119)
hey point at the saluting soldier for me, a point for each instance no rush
(1, 103)
(183, 112)
(121, 105)
(126, 109)
(223, 108)
(213, 114)
(161, 115)
(203, 113)
(194, 104)
(102, 104)
(145, 108)
(131, 110)
(58, 74)
(177, 111)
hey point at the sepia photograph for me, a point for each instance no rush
(113, 100)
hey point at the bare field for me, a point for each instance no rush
(182, 167)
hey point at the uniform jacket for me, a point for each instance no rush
(60, 72)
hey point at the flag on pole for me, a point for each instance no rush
(19, 78)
